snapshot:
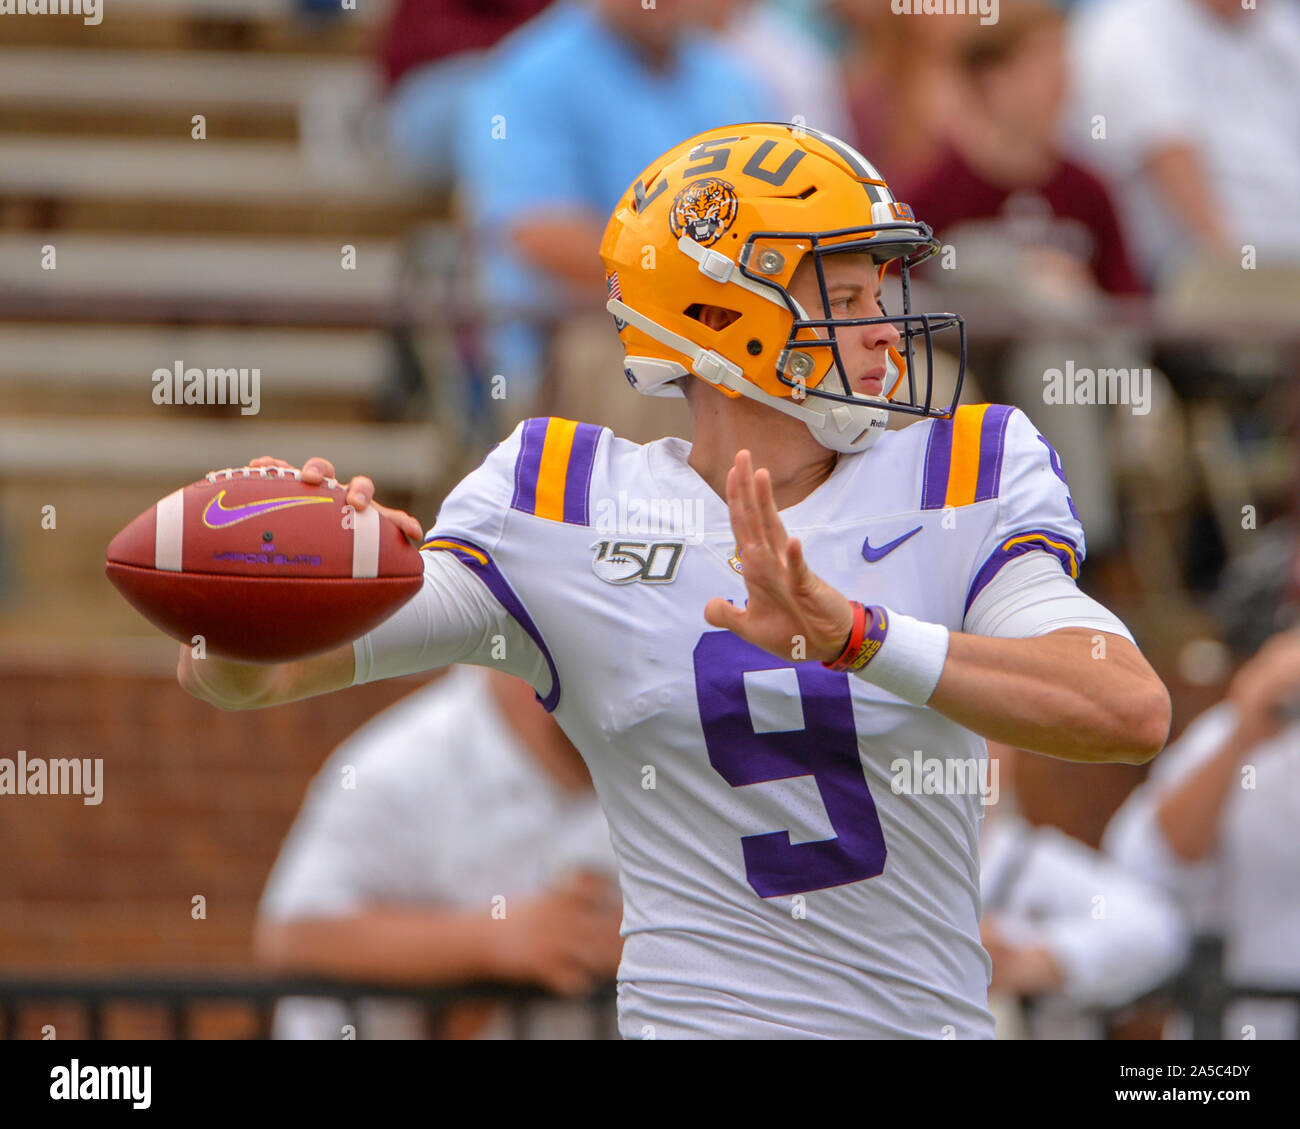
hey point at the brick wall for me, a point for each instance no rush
(195, 801)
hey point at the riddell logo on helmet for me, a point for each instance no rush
(987, 10)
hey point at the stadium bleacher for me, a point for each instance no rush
(222, 252)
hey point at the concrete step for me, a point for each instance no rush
(164, 277)
(405, 457)
(73, 360)
(235, 25)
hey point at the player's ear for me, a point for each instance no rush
(715, 317)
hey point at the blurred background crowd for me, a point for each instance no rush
(393, 213)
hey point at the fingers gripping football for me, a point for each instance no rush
(788, 603)
(361, 490)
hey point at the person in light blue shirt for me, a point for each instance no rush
(565, 114)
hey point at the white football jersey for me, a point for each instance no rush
(798, 848)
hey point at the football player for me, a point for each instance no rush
(779, 648)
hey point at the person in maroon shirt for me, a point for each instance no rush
(429, 51)
(1003, 179)
(420, 32)
(1039, 233)
(904, 86)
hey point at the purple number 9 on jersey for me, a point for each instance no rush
(826, 748)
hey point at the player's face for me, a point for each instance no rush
(853, 287)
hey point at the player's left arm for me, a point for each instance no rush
(1052, 693)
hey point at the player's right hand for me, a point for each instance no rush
(361, 491)
(565, 939)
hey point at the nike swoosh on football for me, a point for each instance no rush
(217, 516)
(873, 555)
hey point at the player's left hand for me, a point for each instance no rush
(791, 612)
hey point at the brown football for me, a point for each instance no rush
(264, 567)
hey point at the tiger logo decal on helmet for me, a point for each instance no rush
(704, 210)
(724, 220)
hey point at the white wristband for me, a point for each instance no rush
(910, 660)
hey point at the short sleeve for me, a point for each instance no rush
(1107, 958)
(1134, 836)
(359, 838)
(1035, 513)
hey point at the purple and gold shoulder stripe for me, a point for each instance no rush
(553, 470)
(963, 458)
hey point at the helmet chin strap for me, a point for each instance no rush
(846, 428)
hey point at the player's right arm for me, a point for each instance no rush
(465, 611)
(231, 685)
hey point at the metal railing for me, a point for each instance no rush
(1203, 993)
(1199, 991)
(177, 995)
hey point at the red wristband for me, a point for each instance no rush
(870, 626)
(854, 642)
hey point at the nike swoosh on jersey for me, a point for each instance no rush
(217, 516)
(873, 555)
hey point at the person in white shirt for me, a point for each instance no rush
(1065, 926)
(1215, 824)
(801, 71)
(1200, 105)
(456, 837)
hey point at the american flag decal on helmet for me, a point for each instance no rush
(616, 293)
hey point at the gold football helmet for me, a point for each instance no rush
(725, 219)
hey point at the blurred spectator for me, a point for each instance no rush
(1215, 826)
(1026, 211)
(1038, 232)
(907, 97)
(464, 792)
(1259, 591)
(429, 52)
(802, 71)
(567, 113)
(1200, 101)
(1068, 930)
(817, 19)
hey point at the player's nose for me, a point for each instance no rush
(880, 335)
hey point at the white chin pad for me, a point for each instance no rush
(846, 427)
